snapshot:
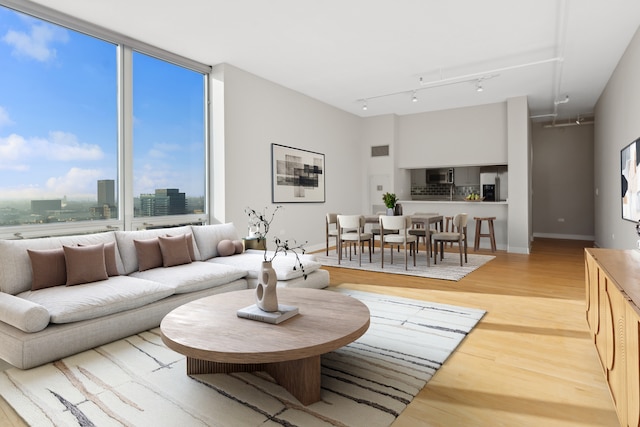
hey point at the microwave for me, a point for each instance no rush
(440, 176)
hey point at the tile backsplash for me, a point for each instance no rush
(441, 190)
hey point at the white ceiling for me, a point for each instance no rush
(343, 51)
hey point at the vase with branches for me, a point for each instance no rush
(261, 221)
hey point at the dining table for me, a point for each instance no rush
(425, 219)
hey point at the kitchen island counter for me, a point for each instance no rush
(456, 201)
(499, 210)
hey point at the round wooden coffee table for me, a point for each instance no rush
(215, 340)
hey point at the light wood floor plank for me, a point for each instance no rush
(529, 362)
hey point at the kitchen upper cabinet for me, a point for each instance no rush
(468, 175)
(418, 176)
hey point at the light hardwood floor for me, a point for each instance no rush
(529, 362)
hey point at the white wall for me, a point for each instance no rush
(482, 135)
(258, 113)
(379, 173)
(617, 124)
(520, 228)
(457, 137)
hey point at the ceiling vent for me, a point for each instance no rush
(380, 151)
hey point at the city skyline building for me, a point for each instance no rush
(42, 207)
(166, 201)
(106, 192)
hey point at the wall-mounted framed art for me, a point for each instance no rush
(630, 181)
(297, 176)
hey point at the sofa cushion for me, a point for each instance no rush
(226, 247)
(85, 264)
(97, 299)
(239, 246)
(208, 236)
(193, 277)
(16, 275)
(189, 237)
(148, 253)
(48, 268)
(175, 250)
(25, 315)
(128, 250)
(251, 260)
(110, 259)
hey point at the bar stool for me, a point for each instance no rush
(491, 235)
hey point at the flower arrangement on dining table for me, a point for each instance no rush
(260, 222)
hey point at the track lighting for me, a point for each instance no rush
(579, 120)
(564, 101)
(474, 78)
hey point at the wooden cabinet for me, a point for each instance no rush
(613, 316)
(633, 364)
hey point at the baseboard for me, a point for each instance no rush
(564, 236)
(518, 250)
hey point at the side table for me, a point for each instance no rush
(254, 243)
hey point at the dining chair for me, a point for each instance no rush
(375, 230)
(400, 225)
(331, 229)
(351, 230)
(418, 230)
(459, 237)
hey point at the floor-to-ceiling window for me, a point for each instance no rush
(168, 138)
(67, 99)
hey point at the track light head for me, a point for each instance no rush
(364, 105)
(479, 87)
(414, 98)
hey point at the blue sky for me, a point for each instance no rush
(58, 111)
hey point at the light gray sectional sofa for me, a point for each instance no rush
(63, 295)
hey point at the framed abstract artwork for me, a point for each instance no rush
(297, 176)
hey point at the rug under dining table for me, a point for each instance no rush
(447, 269)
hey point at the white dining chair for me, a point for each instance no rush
(351, 230)
(400, 225)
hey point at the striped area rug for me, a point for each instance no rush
(447, 269)
(138, 381)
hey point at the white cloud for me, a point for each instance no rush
(161, 150)
(65, 146)
(76, 181)
(17, 153)
(5, 120)
(153, 176)
(13, 151)
(36, 43)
